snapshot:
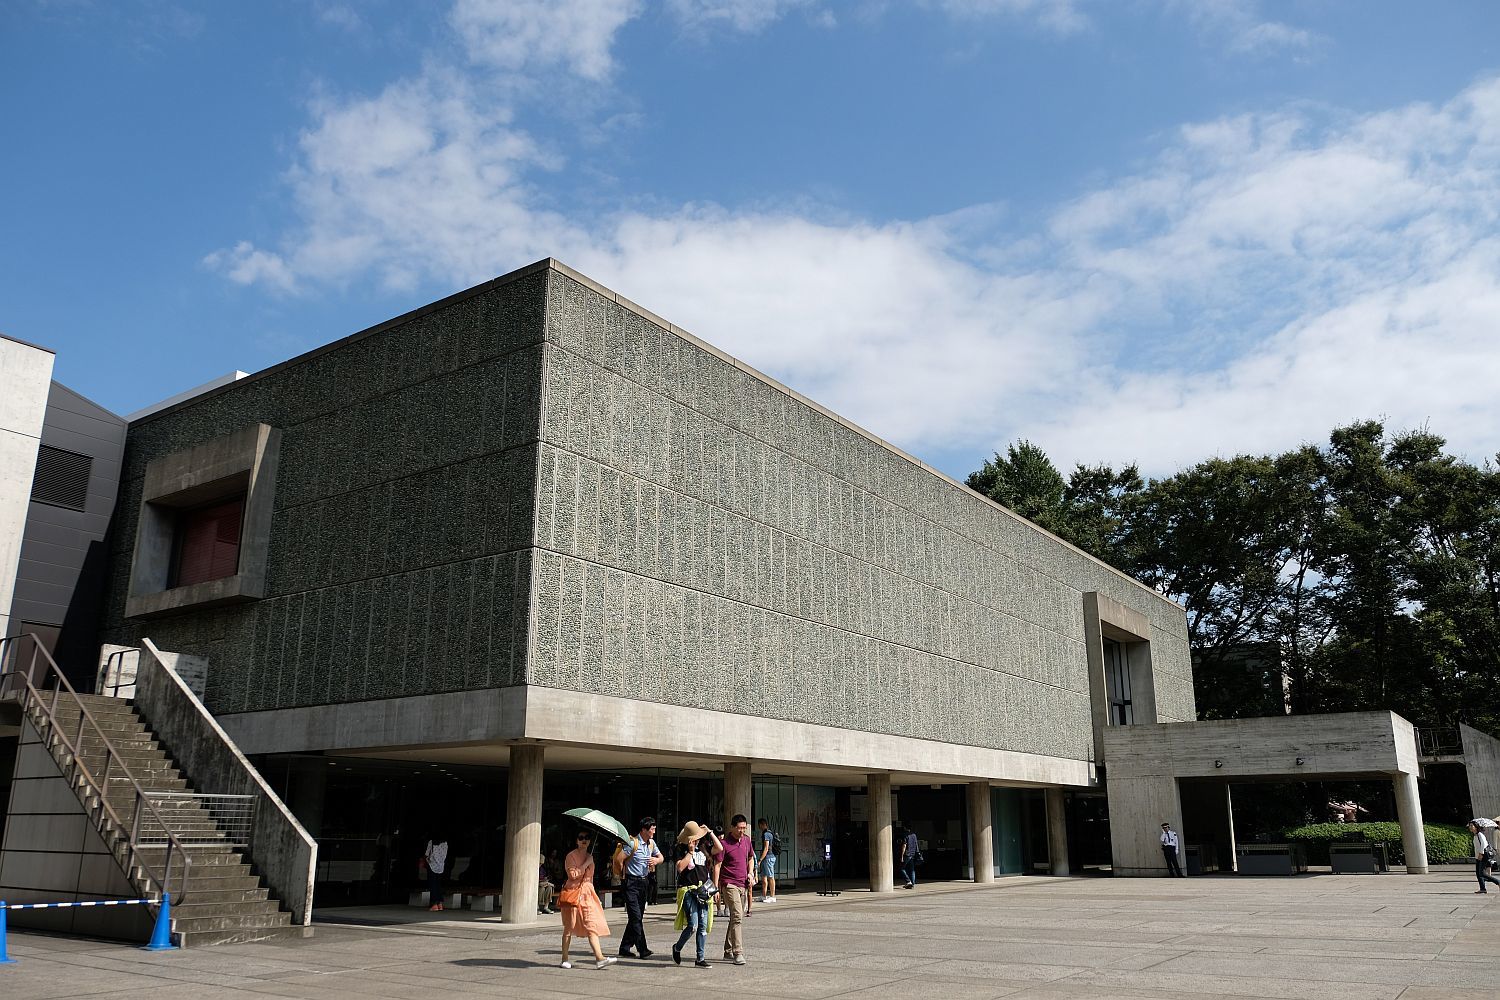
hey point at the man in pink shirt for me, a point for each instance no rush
(735, 879)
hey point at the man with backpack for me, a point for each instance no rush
(633, 863)
(770, 850)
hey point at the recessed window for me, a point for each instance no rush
(1117, 674)
(62, 478)
(206, 545)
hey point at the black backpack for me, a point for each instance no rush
(775, 842)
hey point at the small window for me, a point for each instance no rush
(62, 478)
(207, 543)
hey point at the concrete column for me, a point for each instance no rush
(1409, 811)
(882, 847)
(1233, 862)
(737, 793)
(981, 836)
(523, 835)
(1057, 831)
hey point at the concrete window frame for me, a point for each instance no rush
(242, 463)
(1105, 618)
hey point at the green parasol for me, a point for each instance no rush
(601, 821)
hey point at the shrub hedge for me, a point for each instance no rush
(1445, 843)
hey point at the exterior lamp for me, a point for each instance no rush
(1218, 762)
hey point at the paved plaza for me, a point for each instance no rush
(1323, 937)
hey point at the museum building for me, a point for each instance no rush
(531, 547)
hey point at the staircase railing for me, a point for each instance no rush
(45, 696)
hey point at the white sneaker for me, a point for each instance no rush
(769, 899)
(566, 965)
(611, 960)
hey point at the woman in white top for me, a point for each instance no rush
(436, 857)
(1483, 858)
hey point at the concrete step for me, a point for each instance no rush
(188, 925)
(196, 881)
(217, 856)
(220, 897)
(193, 907)
(199, 939)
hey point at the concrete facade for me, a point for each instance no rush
(1481, 754)
(565, 492)
(25, 378)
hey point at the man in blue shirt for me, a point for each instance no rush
(641, 857)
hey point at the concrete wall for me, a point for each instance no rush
(62, 567)
(398, 560)
(1146, 761)
(25, 378)
(52, 854)
(1482, 767)
(692, 513)
(281, 850)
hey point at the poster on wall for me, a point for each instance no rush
(814, 827)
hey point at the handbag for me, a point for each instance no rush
(569, 897)
(705, 890)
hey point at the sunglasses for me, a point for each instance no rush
(583, 836)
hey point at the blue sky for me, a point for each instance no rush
(1139, 230)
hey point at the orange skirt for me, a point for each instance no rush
(587, 917)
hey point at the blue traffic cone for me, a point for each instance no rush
(4, 958)
(161, 934)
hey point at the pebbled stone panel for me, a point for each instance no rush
(399, 560)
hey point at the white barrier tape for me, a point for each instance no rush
(95, 902)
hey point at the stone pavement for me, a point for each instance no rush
(1325, 937)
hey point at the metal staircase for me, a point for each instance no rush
(165, 836)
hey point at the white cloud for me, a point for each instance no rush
(1061, 16)
(517, 35)
(741, 15)
(1242, 27)
(1262, 279)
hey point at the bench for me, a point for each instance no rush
(1270, 859)
(1357, 858)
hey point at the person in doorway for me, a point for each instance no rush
(637, 860)
(736, 850)
(544, 890)
(767, 858)
(1484, 859)
(582, 912)
(911, 853)
(695, 887)
(1169, 845)
(436, 859)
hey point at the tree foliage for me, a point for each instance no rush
(1366, 569)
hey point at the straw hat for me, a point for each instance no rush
(691, 832)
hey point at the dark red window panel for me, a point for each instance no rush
(208, 543)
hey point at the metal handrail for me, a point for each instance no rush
(35, 704)
(117, 659)
(1440, 742)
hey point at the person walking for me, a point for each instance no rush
(911, 853)
(695, 887)
(1484, 859)
(736, 850)
(721, 908)
(767, 861)
(436, 859)
(637, 860)
(582, 912)
(1169, 845)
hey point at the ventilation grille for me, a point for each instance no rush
(62, 478)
